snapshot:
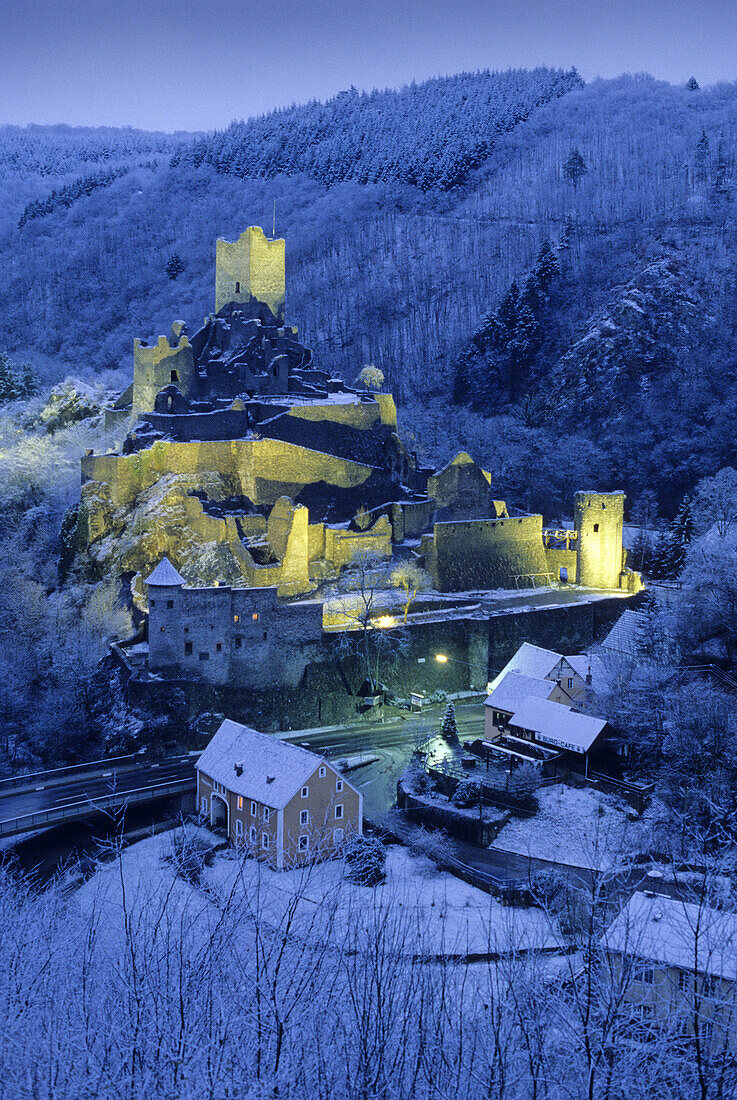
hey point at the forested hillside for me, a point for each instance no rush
(631, 181)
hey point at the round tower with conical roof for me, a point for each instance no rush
(164, 589)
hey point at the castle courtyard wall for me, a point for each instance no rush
(486, 554)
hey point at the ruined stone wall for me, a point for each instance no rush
(560, 558)
(482, 554)
(160, 365)
(353, 413)
(598, 521)
(261, 469)
(250, 270)
(342, 546)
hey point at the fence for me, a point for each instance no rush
(42, 818)
(28, 779)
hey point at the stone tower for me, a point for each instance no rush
(166, 363)
(599, 518)
(250, 271)
(164, 633)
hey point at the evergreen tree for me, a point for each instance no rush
(575, 167)
(532, 295)
(523, 348)
(174, 266)
(8, 380)
(28, 382)
(449, 729)
(547, 268)
(701, 158)
(508, 310)
(692, 84)
(720, 172)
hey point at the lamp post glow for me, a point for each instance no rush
(441, 658)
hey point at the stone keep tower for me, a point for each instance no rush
(599, 518)
(166, 363)
(251, 270)
(164, 592)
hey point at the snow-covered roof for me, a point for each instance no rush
(556, 724)
(624, 635)
(580, 663)
(273, 770)
(530, 660)
(514, 688)
(165, 575)
(676, 933)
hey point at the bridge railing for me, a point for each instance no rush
(27, 779)
(26, 823)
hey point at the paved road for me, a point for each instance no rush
(58, 795)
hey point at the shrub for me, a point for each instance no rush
(365, 858)
(468, 793)
(189, 854)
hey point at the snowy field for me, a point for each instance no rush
(431, 912)
(584, 828)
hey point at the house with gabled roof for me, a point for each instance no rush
(276, 800)
(677, 963)
(570, 673)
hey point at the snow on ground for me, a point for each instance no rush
(584, 828)
(438, 913)
(429, 912)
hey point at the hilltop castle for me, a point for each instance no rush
(246, 464)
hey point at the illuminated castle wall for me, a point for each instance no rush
(251, 270)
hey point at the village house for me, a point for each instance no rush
(278, 801)
(678, 961)
(530, 712)
(572, 674)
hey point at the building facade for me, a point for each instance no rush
(276, 801)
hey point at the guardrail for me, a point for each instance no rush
(27, 822)
(27, 778)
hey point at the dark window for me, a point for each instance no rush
(219, 647)
(238, 641)
(204, 656)
(237, 288)
(596, 527)
(188, 648)
(186, 630)
(265, 633)
(170, 603)
(152, 603)
(174, 376)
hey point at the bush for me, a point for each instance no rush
(189, 854)
(468, 793)
(432, 843)
(365, 858)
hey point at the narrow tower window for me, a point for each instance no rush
(237, 288)
(174, 376)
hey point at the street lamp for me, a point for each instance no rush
(441, 658)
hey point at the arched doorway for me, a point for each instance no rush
(219, 813)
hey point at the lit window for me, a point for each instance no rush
(339, 810)
(240, 803)
(305, 792)
(322, 772)
(339, 785)
(162, 630)
(264, 840)
(236, 618)
(303, 817)
(255, 616)
(253, 809)
(304, 843)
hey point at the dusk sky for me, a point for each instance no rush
(197, 64)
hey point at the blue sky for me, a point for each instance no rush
(197, 64)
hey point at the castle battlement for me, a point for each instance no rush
(251, 271)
